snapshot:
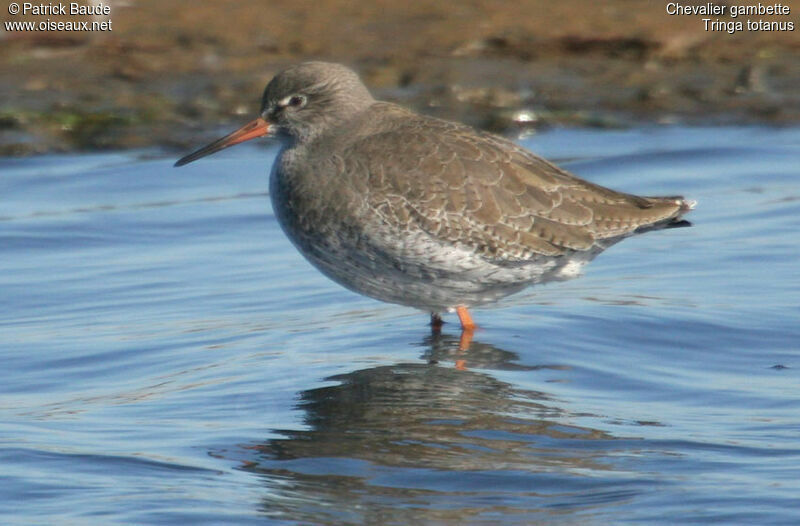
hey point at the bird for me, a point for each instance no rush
(424, 212)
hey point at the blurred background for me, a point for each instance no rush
(169, 69)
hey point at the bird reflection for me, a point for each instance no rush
(415, 436)
(444, 348)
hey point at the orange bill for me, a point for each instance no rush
(251, 130)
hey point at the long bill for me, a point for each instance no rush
(257, 128)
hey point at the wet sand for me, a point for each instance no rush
(173, 74)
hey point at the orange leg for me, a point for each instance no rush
(467, 330)
(466, 320)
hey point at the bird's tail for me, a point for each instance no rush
(676, 219)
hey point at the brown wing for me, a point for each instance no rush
(487, 193)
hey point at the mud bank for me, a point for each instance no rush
(172, 74)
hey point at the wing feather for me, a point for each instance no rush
(481, 190)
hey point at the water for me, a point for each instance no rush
(168, 358)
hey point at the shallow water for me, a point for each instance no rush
(169, 358)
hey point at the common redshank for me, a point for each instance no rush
(424, 212)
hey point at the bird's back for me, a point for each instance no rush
(483, 191)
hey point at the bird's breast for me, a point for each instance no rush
(314, 203)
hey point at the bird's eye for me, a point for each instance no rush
(296, 101)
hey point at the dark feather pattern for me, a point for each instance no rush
(486, 192)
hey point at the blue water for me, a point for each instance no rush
(168, 358)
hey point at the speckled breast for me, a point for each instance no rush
(335, 228)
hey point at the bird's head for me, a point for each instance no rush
(299, 104)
